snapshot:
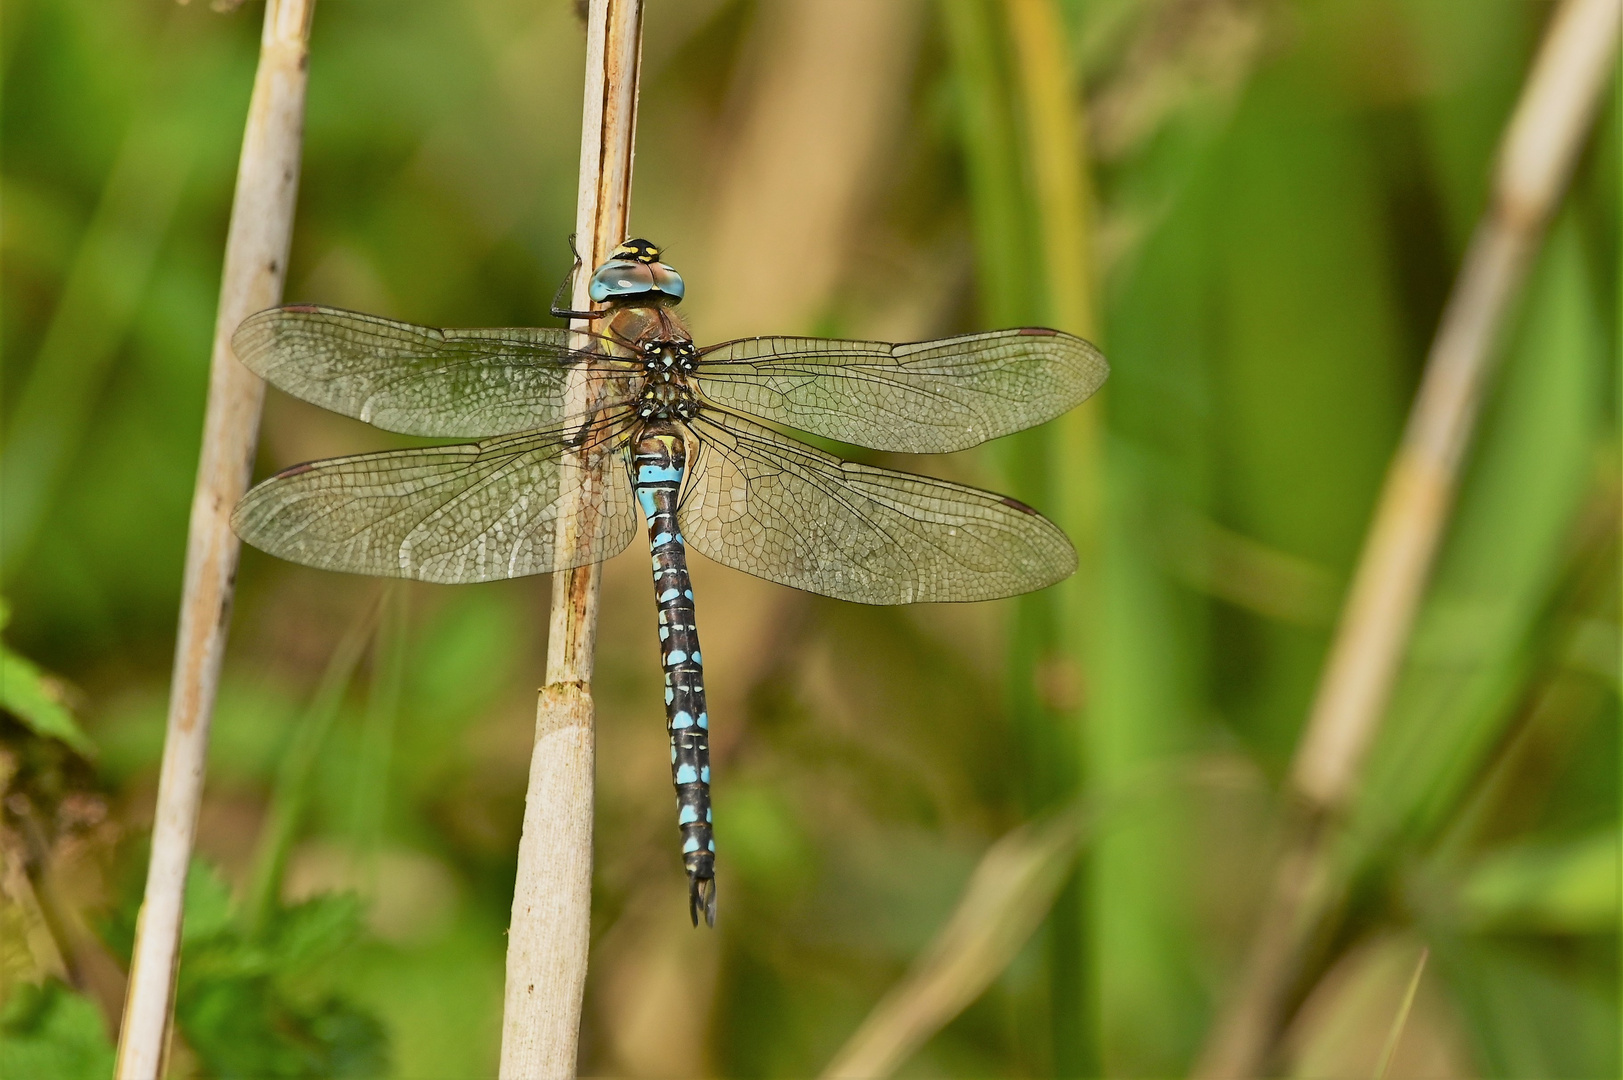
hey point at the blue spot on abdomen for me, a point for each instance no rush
(657, 474)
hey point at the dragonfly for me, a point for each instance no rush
(582, 436)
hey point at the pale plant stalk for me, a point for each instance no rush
(257, 244)
(552, 896)
(1540, 144)
(1007, 897)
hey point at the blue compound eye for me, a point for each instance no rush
(619, 278)
(623, 279)
(668, 281)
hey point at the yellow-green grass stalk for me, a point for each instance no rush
(1020, 129)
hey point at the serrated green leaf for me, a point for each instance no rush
(31, 696)
(315, 929)
(50, 1033)
(244, 1001)
(208, 904)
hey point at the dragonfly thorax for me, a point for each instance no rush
(666, 364)
(665, 360)
(666, 398)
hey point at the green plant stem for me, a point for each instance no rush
(294, 779)
(1050, 108)
(373, 762)
(1019, 225)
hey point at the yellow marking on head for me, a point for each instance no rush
(639, 249)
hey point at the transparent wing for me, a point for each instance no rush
(417, 380)
(450, 514)
(924, 397)
(765, 504)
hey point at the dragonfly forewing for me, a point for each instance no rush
(417, 380)
(773, 507)
(448, 514)
(922, 397)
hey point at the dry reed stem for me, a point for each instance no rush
(1541, 142)
(552, 896)
(257, 243)
(1008, 896)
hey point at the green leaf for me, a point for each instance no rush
(307, 933)
(1569, 888)
(245, 1001)
(208, 904)
(35, 698)
(50, 1033)
(1534, 1008)
(1531, 469)
(239, 1029)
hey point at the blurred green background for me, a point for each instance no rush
(1274, 198)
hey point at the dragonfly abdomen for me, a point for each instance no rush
(659, 459)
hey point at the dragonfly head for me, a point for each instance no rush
(633, 274)
(637, 250)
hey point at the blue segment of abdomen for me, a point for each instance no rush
(659, 460)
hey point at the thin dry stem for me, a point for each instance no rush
(1558, 103)
(552, 896)
(257, 244)
(1008, 895)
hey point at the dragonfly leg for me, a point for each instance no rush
(560, 312)
(658, 461)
